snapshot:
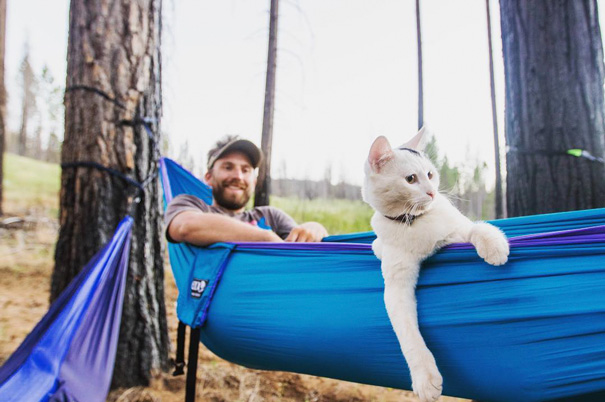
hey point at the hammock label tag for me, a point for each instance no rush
(197, 287)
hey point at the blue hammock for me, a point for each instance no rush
(70, 354)
(531, 330)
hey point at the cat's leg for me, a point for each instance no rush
(377, 248)
(400, 302)
(490, 242)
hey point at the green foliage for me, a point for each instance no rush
(464, 184)
(450, 176)
(431, 150)
(30, 185)
(338, 216)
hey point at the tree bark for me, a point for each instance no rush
(114, 47)
(2, 98)
(263, 186)
(553, 59)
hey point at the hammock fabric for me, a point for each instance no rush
(531, 330)
(70, 354)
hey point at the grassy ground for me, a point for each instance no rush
(338, 216)
(31, 187)
(27, 247)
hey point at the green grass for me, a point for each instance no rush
(31, 186)
(338, 216)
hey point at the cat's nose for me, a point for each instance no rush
(430, 194)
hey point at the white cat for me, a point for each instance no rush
(412, 220)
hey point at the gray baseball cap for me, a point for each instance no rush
(237, 144)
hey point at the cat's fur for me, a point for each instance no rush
(402, 245)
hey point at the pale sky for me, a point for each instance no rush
(346, 73)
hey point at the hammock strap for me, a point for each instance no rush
(179, 361)
(140, 187)
(95, 91)
(146, 122)
(194, 345)
(106, 169)
(575, 152)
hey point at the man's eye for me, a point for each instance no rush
(411, 179)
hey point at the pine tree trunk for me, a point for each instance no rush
(420, 77)
(263, 186)
(2, 98)
(553, 59)
(114, 47)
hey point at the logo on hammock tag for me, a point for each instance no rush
(197, 287)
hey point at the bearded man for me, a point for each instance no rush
(231, 173)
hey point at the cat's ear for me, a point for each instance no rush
(416, 143)
(380, 153)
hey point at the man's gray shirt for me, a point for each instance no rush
(263, 217)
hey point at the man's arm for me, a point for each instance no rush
(203, 228)
(307, 232)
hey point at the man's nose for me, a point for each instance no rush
(237, 173)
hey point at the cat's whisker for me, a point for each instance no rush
(452, 194)
(409, 208)
(453, 197)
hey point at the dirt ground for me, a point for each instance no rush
(27, 247)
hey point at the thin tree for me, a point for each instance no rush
(499, 193)
(51, 95)
(28, 102)
(2, 97)
(263, 185)
(113, 82)
(553, 60)
(420, 78)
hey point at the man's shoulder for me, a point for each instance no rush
(187, 201)
(275, 215)
(268, 210)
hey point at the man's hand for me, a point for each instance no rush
(307, 232)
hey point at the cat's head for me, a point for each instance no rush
(401, 180)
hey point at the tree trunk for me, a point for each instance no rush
(114, 48)
(553, 59)
(2, 98)
(263, 186)
(499, 202)
(420, 78)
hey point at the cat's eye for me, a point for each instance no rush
(430, 175)
(411, 179)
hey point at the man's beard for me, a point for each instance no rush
(218, 192)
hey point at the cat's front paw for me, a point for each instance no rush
(427, 383)
(491, 243)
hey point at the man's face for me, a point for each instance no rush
(232, 179)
